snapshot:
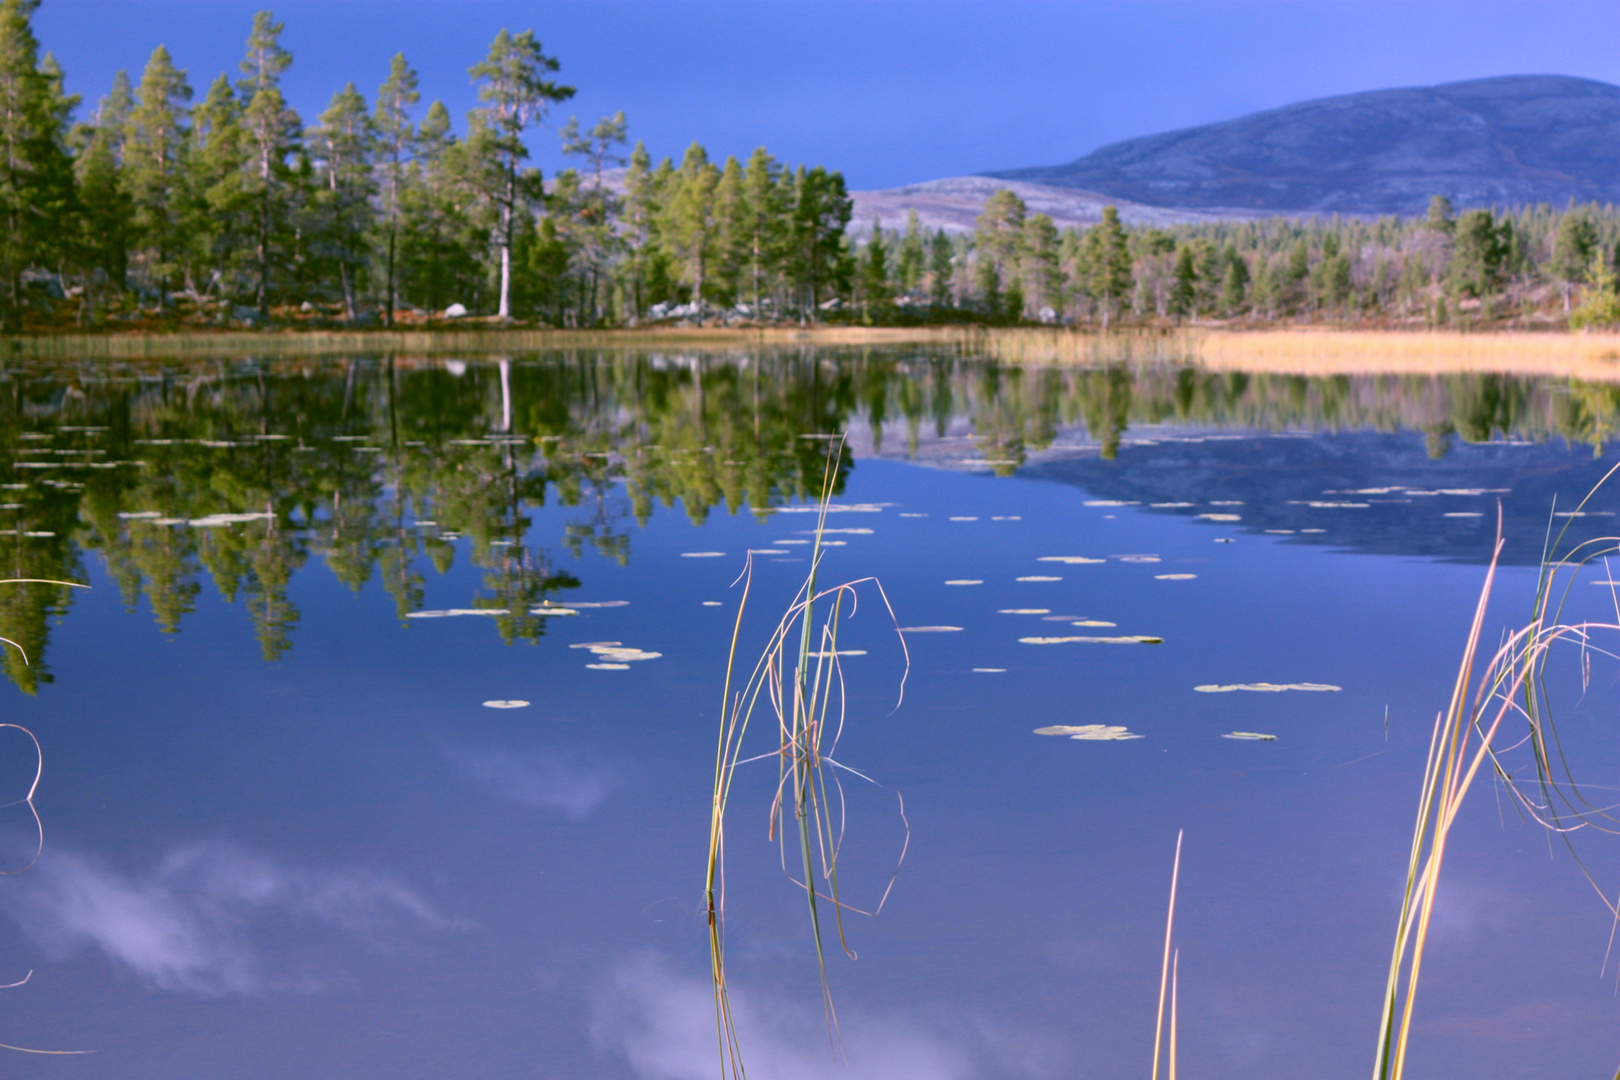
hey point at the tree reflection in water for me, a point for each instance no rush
(242, 469)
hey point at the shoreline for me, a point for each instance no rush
(1295, 350)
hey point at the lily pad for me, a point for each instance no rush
(1253, 736)
(1264, 687)
(1137, 639)
(513, 704)
(1090, 732)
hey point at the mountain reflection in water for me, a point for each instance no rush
(242, 470)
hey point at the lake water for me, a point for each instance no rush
(286, 837)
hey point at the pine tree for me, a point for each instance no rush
(154, 165)
(221, 210)
(515, 93)
(940, 269)
(597, 206)
(640, 208)
(441, 233)
(345, 142)
(108, 214)
(273, 129)
(912, 255)
(36, 174)
(998, 235)
(1235, 281)
(1184, 292)
(1576, 239)
(1109, 260)
(395, 138)
(821, 209)
(875, 270)
(766, 202)
(691, 221)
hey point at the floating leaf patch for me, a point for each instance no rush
(1089, 732)
(1254, 736)
(1137, 639)
(1264, 687)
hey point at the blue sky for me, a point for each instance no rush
(889, 91)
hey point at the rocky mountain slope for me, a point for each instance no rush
(1508, 140)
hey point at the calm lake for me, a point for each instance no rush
(288, 835)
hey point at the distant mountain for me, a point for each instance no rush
(952, 204)
(1508, 140)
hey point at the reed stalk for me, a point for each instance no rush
(801, 692)
(1165, 972)
(1511, 686)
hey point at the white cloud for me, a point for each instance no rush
(535, 780)
(189, 923)
(662, 1024)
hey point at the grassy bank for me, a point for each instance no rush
(1591, 356)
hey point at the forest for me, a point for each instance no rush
(159, 208)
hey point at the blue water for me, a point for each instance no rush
(341, 863)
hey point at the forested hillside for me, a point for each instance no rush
(159, 206)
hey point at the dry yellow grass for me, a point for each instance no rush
(1589, 356)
